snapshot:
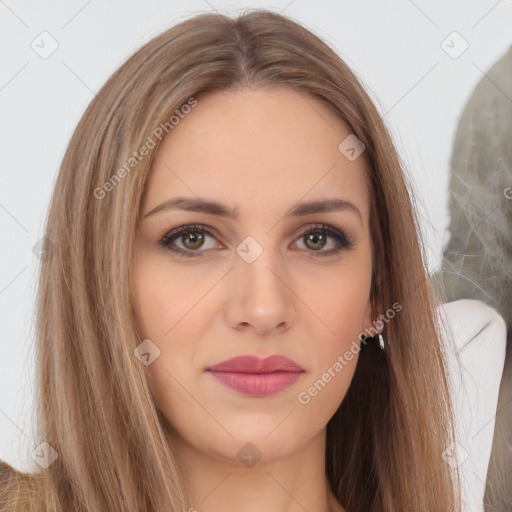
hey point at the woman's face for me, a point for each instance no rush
(254, 275)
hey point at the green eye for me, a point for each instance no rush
(193, 237)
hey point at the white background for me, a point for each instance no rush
(394, 47)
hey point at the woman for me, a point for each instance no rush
(195, 349)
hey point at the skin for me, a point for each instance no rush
(261, 151)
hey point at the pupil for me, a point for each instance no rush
(194, 239)
(315, 237)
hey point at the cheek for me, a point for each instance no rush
(343, 302)
(162, 296)
(164, 315)
(166, 307)
(336, 352)
(343, 307)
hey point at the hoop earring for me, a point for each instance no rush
(382, 344)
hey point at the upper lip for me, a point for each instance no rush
(254, 364)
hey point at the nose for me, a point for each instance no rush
(260, 299)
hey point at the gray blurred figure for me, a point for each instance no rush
(477, 261)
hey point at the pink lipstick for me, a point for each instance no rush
(252, 375)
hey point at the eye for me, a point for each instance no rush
(316, 238)
(192, 238)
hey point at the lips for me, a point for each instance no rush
(252, 375)
(253, 364)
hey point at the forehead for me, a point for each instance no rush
(258, 149)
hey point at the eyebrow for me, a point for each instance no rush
(216, 208)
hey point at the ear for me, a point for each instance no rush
(372, 313)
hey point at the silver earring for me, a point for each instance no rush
(382, 345)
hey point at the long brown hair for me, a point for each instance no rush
(384, 444)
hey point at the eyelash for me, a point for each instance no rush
(344, 241)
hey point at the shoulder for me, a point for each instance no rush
(8, 476)
(15, 489)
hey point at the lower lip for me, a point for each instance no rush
(262, 384)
